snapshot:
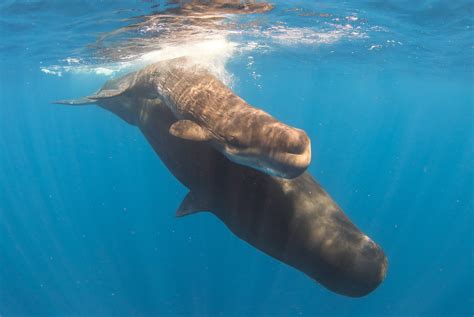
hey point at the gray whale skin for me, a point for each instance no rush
(292, 220)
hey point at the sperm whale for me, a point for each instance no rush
(292, 220)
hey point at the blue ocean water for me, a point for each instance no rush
(383, 88)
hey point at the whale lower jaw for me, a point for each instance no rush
(289, 173)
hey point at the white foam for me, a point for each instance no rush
(291, 36)
(50, 71)
(209, 47)
(213, 52)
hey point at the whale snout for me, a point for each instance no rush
(348, 263)
(296, 142)
(294, 154)
(275, 149)
(369, 270)
(365, 273)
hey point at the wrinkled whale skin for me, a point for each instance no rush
(206, 110)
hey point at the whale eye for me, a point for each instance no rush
(232, 140)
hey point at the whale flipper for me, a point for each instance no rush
(189, 130)
(192, 204)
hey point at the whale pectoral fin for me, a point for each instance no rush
(189, 130)
(75, 102)
(192, 204)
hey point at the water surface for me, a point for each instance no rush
(383, 88)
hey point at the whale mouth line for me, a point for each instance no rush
(283, 164)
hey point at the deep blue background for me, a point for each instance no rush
(87, 224)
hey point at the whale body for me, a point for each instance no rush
(208, 111)
(292, 220)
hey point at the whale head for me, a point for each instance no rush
(255, 140)
(267, 145)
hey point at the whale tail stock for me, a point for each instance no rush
(104, 93)
(111, 89)
(91, 100)
(75, 102)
